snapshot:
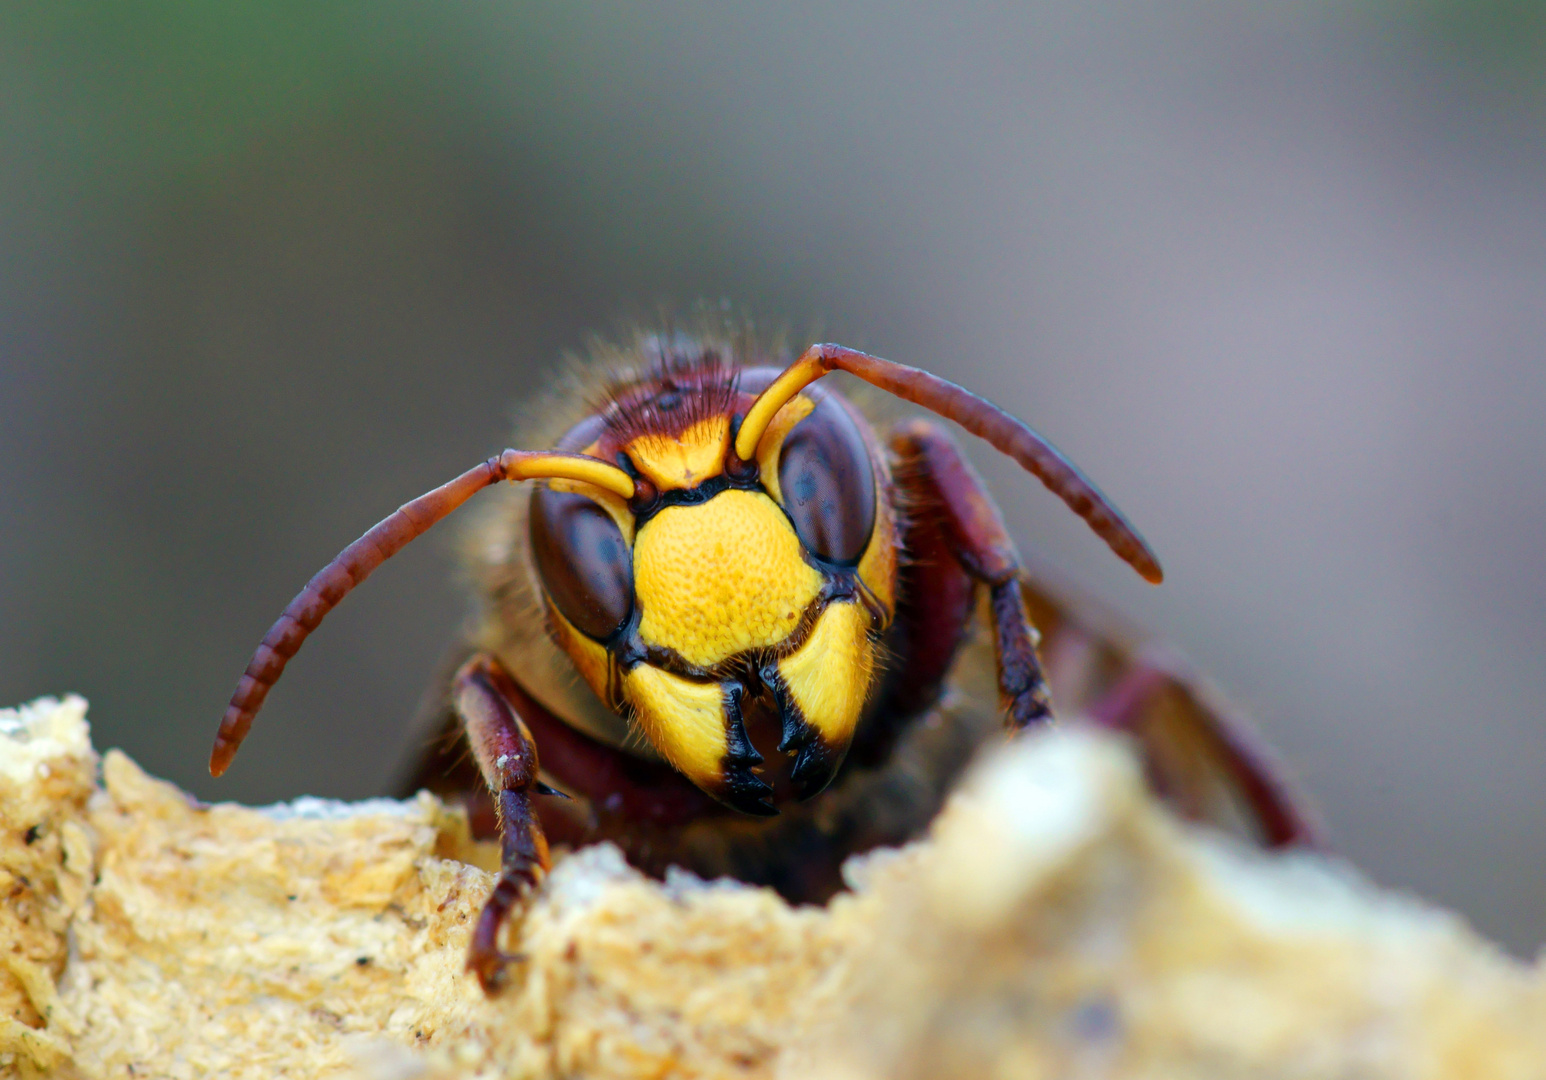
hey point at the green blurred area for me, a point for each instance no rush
(1499, 42)
(163, 86)
(176, 85)
(111, 103)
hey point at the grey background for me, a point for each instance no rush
(1273, 274)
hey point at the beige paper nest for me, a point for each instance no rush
(1056, 923)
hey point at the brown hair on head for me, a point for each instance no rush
(685, 384)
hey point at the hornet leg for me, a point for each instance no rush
(1207, 763)
(1199, 757)
(485, 698)
(941, 484)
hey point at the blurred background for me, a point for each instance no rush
(1273, 274)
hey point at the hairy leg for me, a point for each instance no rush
(486, 700)
(943, 492)
(1199, 756)
(1205, 761)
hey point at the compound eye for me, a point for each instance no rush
(828, 484)
(583, 560)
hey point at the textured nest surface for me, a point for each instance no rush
(1055, 923)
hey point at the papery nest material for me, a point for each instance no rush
(1056, 922)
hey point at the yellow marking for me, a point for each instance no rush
(829, 676)
(682, 719)
(590, 658)
(877, 566)
(535, 465)
(686, 461)
(722, 577)
(772, 443)
(796, 377)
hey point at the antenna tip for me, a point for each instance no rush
(220, 757)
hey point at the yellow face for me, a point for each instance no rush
(683, 461)
(729, 604)
(717, 579)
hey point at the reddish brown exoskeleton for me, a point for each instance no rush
(725, 614)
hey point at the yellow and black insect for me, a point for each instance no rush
(725, 614)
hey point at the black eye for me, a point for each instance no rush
(583, 560)
(828, 485)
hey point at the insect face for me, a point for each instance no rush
(726, 590)
(751, 535)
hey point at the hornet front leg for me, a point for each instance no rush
(488, 701)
